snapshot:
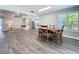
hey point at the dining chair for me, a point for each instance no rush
(57, 36)
(52, 26)
(60, 33)
(46, 35)
(40, 31)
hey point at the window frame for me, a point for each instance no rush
(68, 28)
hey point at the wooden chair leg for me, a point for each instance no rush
(55, 39)
(47, 39)
(61, 40)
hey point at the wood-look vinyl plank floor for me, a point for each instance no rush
(28, 42)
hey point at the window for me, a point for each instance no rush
(70, 20)
(73, 20)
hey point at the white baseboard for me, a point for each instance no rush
(72, 37)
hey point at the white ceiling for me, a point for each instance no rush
(27, 8)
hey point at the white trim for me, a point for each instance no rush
(77, 38)
(72, 30)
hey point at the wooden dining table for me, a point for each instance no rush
(50, 30)
(53, 34)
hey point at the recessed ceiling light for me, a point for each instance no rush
(46, 8)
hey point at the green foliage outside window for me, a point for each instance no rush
(72, 17)
(72, 24)
(65, 17)
(71, 20)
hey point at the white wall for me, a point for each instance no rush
(18, 21)
(49, 19)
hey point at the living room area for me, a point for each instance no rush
(39, 29)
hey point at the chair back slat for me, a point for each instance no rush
(62, 29)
